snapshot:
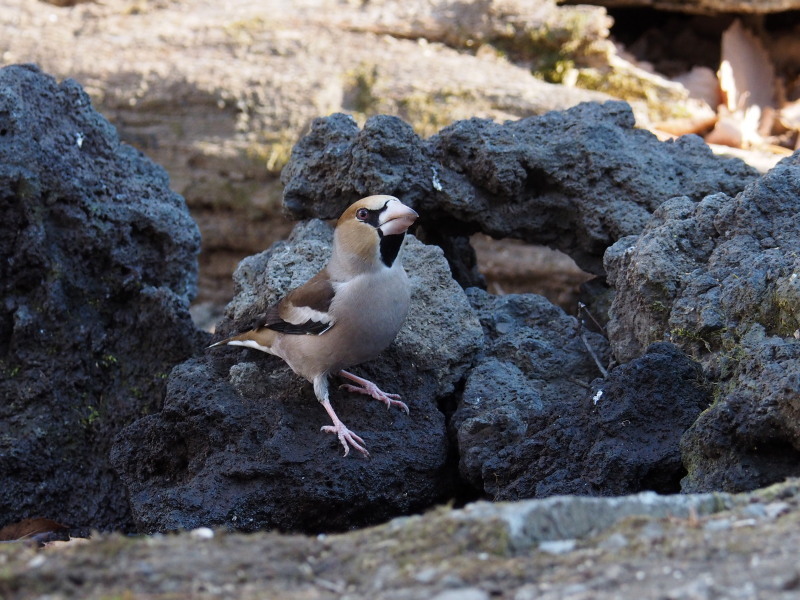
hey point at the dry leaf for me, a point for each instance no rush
(702, 84)
(698, 124)
(747, 81)
(738, 129)
(29, 529)
(747, 76)
(789, 115)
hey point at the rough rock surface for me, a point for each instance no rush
(576, 180)
(721, 278)
(98, 262)
(527, 426)
(238, 440)
(751, 436)
(218, 93)
(533, 365)
(708, 546)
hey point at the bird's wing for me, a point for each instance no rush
(305, 310)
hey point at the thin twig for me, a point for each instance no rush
(594, 356)
(582, 308)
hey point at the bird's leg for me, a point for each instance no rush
(370, 389)
(346, 437)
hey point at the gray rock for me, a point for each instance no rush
(337, 163)
(751, 436)
(720, 279)
(238, 441)
(98, 263)
(577, 180)
(533, 364)
(527, 427)
(531, 522)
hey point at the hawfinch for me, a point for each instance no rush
(347, 313)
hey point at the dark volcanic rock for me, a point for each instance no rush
(704, 273)
(238, 441)
(238, 444)
(636, 423)
(722, 279)
(97, 268)
(526, 427)
(751, 437)
(576, 180)
(534, 363)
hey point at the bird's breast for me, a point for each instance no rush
(371, 310)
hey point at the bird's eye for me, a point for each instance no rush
(362, 214)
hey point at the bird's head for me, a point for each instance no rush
(371, 231)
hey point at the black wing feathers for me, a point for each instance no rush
(304, 311)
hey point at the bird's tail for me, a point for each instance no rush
(257, 339)
(225, 341)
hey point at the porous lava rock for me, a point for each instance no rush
(238, 441)
(533, 364)
(576, 180)
(721, 278)
(533, 421)
(98, 264)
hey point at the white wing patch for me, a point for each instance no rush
(298, 315)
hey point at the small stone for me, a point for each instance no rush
(202, 533)
(37, 561)
(615, 541)
(756, 510)
(717, 525)
(427, 575)
(776, 509)
(558, 546)
(462, 594)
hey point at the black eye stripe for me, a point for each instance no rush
(373, 215)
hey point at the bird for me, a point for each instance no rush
(346, 314)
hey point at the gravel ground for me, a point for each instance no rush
(714, 547)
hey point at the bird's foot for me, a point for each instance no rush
(389, 400)
(368, 388)
(346, 437)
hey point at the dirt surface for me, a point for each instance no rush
(698, 547)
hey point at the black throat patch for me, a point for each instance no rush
(390, 247)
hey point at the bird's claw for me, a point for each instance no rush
(347, 438)
(370, 389)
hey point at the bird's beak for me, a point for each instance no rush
(396, 218)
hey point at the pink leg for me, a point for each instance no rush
(346, 437)
(370, 389)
